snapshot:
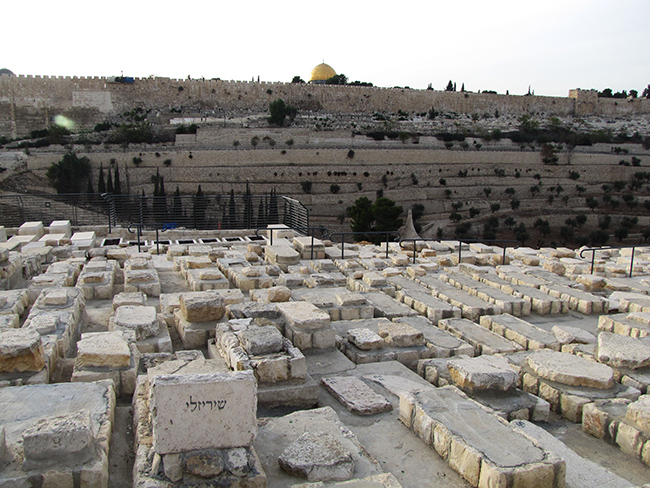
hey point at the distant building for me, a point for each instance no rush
(321, 73)
(8, 72)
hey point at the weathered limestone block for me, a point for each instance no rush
(567, 335)
(103, 349)
(483, 373)
(569, 369)
(11, 321)
(484, 341)
(31, 229)
(620, 351)
(283, 255)
(523, 333)
(261, 340)
(202, 306)
(275, 294)
(223, 404)
(633, 324)
(60, 227)
(59, 439)
(132, 298)
(355, 395)
(84, 240)
(400, 334)
(21, 350)
(317, 457)
(365, 339)
(303, 315)
(639, 412)
(141, 320)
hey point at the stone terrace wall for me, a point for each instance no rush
(412, 176)
(28, 103)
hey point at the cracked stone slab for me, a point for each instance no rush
(483, 373)
(621, 351)
(355, 395)
(568, 369)
(317, 457)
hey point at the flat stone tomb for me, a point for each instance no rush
(483, 340)
(489, 380)
(208, 278)
(472, 307)
(283, 255)
(220, 452)
(140, 275)
(306, 326)
(386, 306)
(581, 301)
(279, 368)
(97, 279)
(13, 302)
(339, 303)
(22, 357)
(421, 299)
(84, 240)
(568, 382)
(355, 395)
(374, 340)
(57, 314)
(634, 324)
(540, 302)
(621, 422)
(309, 248)
(107, 355)
(57, 433)
(141, 325)
(197, 315)
(462, 432)
(523, 333)
(250, 278)
(508, 303)
(441, 342)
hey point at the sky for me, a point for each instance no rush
(551, 45)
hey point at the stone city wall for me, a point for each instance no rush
(31, 102)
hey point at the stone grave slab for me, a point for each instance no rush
(520, 331)
(633, 324)
(355, 395)
(441, 342)
(66, 429)
(483, 340)
(461, 431)
(317, 457)
(620, 351)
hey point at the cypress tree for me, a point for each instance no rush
(117, 187)
(101, 184)
(232, 211)
(109, 182)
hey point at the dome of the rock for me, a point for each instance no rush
(321, 73)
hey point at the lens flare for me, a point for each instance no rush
(63, 121)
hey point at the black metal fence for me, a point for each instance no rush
(167, 212)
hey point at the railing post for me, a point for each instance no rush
(387, 236)
(503, 260)
(460, 249)
(139, 230)
(157, 241)
(311, 254)
(593, 260)
(632, 263)
(414, 251)
(342, 246)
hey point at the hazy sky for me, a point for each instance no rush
(551, 45)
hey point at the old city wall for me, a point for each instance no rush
(412, 176)
(28, 103)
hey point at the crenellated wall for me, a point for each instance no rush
(31, 102)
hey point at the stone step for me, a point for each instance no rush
(523, 333)
(462, 432)
(516, 275)
(483, 340)
(472, 307)
(443, 343)
(507, 302)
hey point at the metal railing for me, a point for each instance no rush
(460, 246)
(376, 232)
(594, 249)
(151, 212)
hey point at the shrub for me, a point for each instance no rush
(306, 186)
(167, 162)
(574, 175)
(335, 188)
(137, 160)
(67, 175)
(442, 181)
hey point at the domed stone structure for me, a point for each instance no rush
(6, 72)
(321, 73)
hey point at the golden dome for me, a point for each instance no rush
(322, 72)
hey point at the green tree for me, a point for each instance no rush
(117, 185)
(521, 233)
(200, 206)
(382, 215)
(337, 80)
(68, 175)
(297, 79)
(280, 111)
(361, 217)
